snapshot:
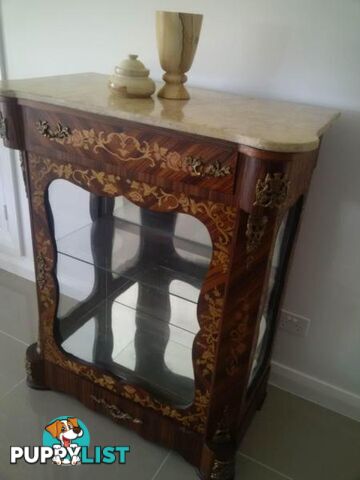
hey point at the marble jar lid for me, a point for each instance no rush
(131, 79)
(132, 67)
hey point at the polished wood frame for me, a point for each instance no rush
(239, 193)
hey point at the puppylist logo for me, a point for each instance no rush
(66, 441)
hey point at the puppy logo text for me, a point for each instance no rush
(66, 442)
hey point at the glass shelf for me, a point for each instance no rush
(162, 305)
(130, 344)
(142, 334)
(183, 259)
(123, 230)
(129, 284)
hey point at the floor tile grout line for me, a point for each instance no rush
(160, 466)
(12, 389)
(14, 338)
(265, 466)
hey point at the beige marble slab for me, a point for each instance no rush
(265, 124)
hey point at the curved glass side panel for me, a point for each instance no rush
(129, 282)
(279, 262)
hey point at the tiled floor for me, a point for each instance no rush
(289, 439)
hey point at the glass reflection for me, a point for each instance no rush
(284, 240)
(129, 284)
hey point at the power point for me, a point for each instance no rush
(295, 324)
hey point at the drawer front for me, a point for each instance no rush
(140, 149)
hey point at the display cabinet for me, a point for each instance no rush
(158, 303)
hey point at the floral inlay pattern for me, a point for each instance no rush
(128, 148)
(222, 216)
(196, 420)
(210, 320)
(238, 346)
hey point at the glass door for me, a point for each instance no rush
(129, 283)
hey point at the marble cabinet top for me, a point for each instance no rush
(264, 124)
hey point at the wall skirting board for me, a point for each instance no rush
(315, 390)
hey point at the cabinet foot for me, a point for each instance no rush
(219, 466)
(221, 470)
(34, 366)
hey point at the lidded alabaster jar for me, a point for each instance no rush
(131, 79)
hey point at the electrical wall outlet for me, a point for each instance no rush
(295, 324)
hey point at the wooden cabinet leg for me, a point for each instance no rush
(34, 365)
(221, 470)
(218, 464)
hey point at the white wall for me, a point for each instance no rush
(301, 50)
(13, 252)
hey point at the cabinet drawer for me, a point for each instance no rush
(139, 148)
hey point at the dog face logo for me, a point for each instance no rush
(65, 431)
